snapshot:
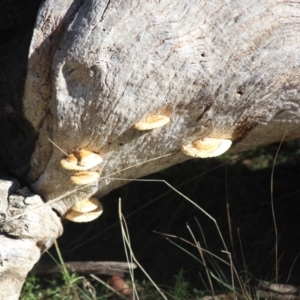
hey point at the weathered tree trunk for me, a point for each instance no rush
(217, 69)
(220, 69)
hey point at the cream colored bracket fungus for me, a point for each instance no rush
(82, 178)
(152, 122)
(85, 210)
(207, 147)
(81, 160)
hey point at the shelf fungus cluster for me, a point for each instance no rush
(82, 178)
(152, 122)
(207, 147)
(82, 160)
(85, 210)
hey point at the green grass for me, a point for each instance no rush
(56, 287)
(191, 264)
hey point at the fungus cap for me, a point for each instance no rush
(207, 147)
(82, 178)
(70, 162)
(152, 122)
(86, 205)
(79, 217)
(81, 160)
(88, 159)
(71, 158)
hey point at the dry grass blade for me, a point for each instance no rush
(186, 198)
(127, 245)
(231, 267)
(58, 147)
(197, 243)
(153, 200)
(188, 242)
(273, 211)
(108, 286)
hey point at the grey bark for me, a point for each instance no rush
(223, 69)
(218, 69)
(89, 267)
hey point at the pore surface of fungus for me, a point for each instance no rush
(152, 122)
(81, 178)
(86, 205)
(207, 147)
(81, 160)
(81, 217)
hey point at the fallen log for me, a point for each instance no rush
(88, 267)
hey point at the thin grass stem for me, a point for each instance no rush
(231, 267)
(197, 243)
(186, 198)
(242, 252)
(108, 286)
(126, 239)
(62, 263)
(273, 211)
(58, 147)
(125, 234)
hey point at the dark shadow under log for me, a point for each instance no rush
(88, 267)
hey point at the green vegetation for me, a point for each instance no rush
(187, 253)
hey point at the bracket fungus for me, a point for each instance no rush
(85, 210)
(152, 122)
(82, 178)
(81, 160)
(86, 205)
(207, 147)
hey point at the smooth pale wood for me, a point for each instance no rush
(279, 288)
(276, 295)
(219, 69)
